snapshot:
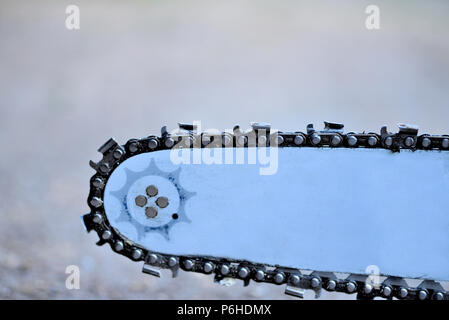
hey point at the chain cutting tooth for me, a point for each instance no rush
(108, 145)
(148, 269)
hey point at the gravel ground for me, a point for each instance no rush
(137, 65)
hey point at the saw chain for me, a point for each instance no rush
(296, 280)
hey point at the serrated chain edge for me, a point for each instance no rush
(114, 154)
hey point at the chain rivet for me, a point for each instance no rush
(118, 153)
(279, 140)
(438, 296)
(279, 278)
(169, 142)
(208, 267)
(260, 275)
(426, 142)
(172, 262)
(96, 202)
(350, 286)
(403, 292)
(226, 139)
(372, 141)
(188, 264)
(241, 141)
(137, 253)
(409, 141)
(368, 288)
(316, 139)
(224, 270)
(422, 295)
(152, 144)
(243, 272)
(119, 246)
(315, 282)
(386, 291)
(388, 141)
(299, 140)
(98, 183)
(106, 235)
(294, 279)
(133, 147)
(153, 258)
(104, 168)
(336, 140)
(97, 218)
(331, 285)
(352, 140)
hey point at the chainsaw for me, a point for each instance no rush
(357, 213)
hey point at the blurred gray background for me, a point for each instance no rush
(137, 65)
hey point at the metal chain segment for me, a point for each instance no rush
(332, 136)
